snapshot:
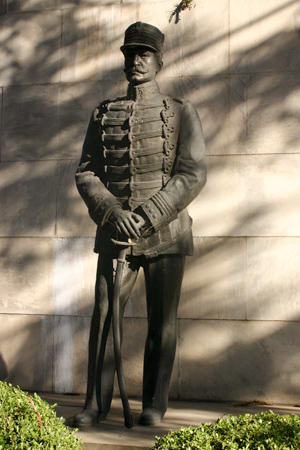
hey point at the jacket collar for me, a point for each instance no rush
(142, 91)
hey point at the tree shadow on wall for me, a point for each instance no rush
(47, 102)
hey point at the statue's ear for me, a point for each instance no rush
(159, 66)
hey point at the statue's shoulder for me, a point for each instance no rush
(104, 105)
(101, 108)
(178, 103)
(181, 100)
(170, 99)
(184, 105)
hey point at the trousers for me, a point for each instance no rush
(163, 280)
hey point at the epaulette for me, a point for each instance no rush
(104, 103)
(181, 100)
(101, 108)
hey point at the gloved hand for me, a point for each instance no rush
(127, 223)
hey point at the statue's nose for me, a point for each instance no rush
(136, 59)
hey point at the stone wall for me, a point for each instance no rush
(238, 62)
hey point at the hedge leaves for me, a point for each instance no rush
(28, 422)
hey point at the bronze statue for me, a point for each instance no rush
(142, 164)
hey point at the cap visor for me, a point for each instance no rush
(137, 44)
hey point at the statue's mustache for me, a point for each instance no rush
(136, 70)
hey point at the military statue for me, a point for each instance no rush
(142, 163)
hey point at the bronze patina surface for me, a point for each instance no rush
(142, 163)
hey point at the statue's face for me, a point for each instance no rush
(141, 65)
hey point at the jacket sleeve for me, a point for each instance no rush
(99, 200)
(187, 178)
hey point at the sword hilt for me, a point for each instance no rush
(123, 243)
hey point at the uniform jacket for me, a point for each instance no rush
(144, 153)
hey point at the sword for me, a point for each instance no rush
(116, 329)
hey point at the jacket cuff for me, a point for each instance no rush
(159, 211)
(101, 211)
(107, 213)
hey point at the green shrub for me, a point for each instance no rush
(28, 422)
(265, 431)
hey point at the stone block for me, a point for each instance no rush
(31, 44)
(74, 276)
(214, 280)
(26, 351)
(28, 198)
(134, 336)
(264, 36)
(206, 38)
(249, 196)
(91, 42)
(273, 113)
(41, 5)
(221, 105)
(239, 360)
(216, 211)
(82, 3)
(272, 196)
(70, 354)
(72, 214)
(273, 279)
(25, 275)
(31, 124)
(76, 104)
(31, 5)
